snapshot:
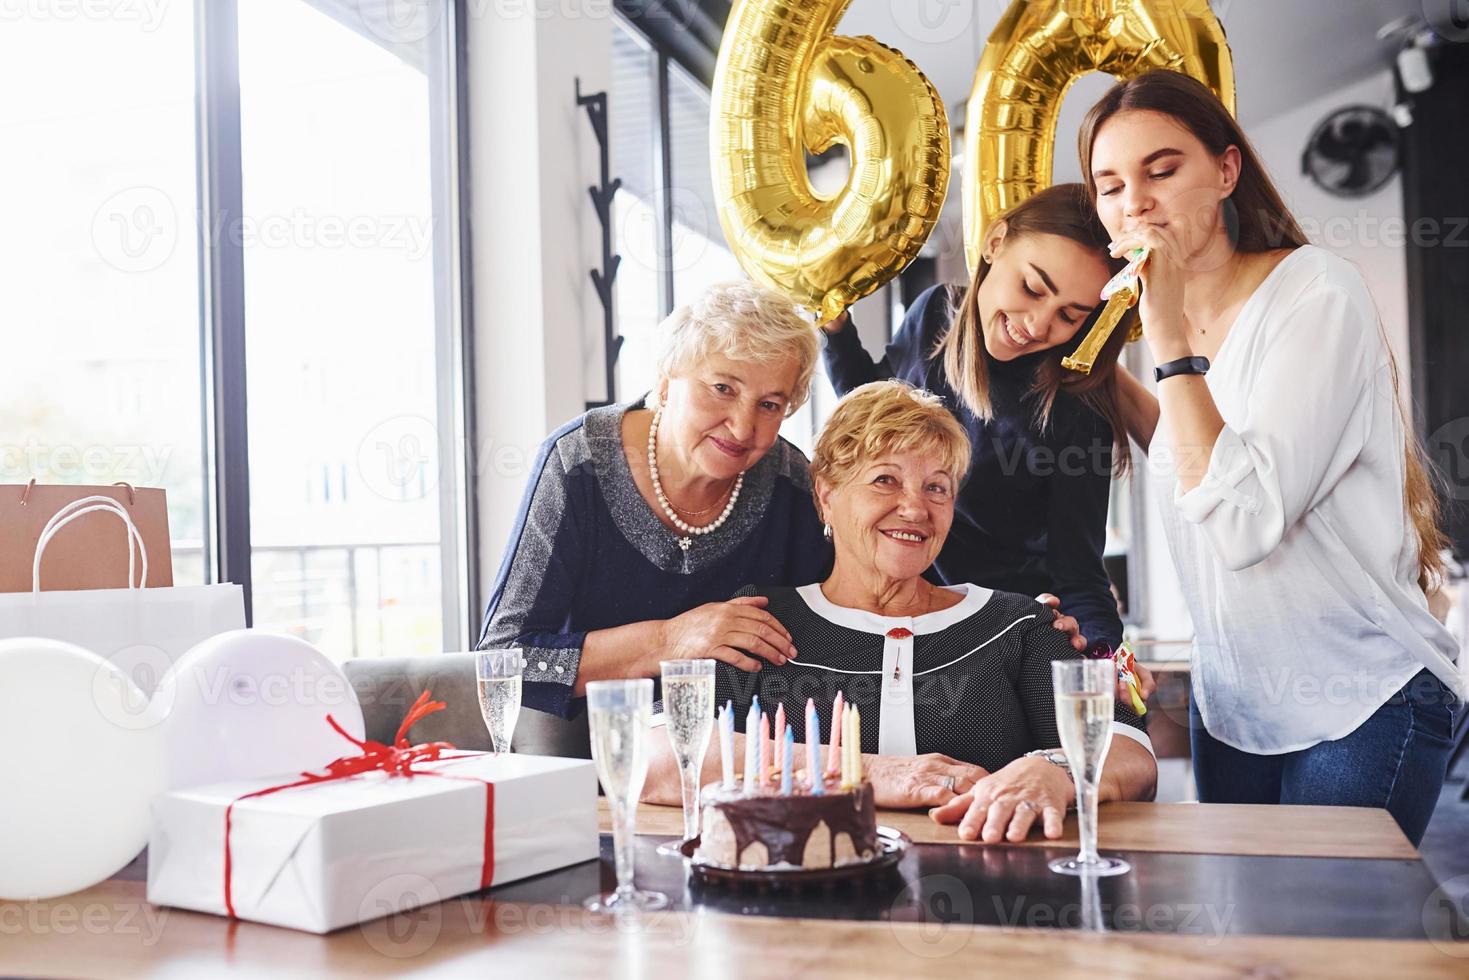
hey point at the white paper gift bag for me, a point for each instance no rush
(332, 854)
(140, 630)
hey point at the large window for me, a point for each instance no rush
(697, 251)
(250, 224)
(636, 159)
(666, 222)
(99, 314)
(339, 299)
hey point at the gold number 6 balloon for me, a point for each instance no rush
(1035, 53)
(785, 85)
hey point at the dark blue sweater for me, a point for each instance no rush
(1032, 515)
(587, 553)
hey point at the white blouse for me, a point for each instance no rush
(1296, 553)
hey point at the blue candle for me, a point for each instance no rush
(813, 748)
(785, 766)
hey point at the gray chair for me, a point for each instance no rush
(386, 687)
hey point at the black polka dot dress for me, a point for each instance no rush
(972, 681)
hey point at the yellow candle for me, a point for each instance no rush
(856, 747)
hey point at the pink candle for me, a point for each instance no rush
(780, 727)
(765, 748)
(833, 755)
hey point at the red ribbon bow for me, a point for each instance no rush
(397, 759)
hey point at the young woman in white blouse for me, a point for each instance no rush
(1298, 509)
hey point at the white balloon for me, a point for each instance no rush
(250, 703)
(80, 763)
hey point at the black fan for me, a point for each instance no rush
(1353, 151)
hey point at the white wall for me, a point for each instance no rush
(1368, 231)
(535, 236)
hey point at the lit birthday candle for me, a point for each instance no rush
(726, 743)
(752, 744)
(813, 747)
(766, 747)
(786, 761)
(780, 727)
(833, 756)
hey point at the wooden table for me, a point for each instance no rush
(1001, 912)
(1179, 828)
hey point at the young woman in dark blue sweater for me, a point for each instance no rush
(1032, 514)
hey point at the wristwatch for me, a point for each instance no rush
(1184, 365)
(1054, 756)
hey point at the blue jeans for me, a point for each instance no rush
(1396, 760)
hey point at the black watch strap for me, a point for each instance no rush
(1184, 365)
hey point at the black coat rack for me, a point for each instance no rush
(603, 278)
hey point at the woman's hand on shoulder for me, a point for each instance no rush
(1006, 805)
(728, 631)
(1066, 624)
(905, 782)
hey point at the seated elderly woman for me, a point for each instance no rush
(953, 683)
(637, 518)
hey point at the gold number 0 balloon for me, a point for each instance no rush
(1035, 53)
(784, 85)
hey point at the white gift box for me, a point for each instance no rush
(333, 854)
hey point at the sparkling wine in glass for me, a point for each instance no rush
(498, 674)
(1084, 691)
(688, 710)
(618, 713)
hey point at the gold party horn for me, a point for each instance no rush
(1121, 293)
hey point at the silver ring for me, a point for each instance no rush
(1026, 805)
(951, 784)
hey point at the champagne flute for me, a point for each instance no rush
(498, 673)
(1084, 690)
(688, 705)
(618, 713)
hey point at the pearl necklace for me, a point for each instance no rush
(689, 531)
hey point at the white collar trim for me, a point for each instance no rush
(863, 621)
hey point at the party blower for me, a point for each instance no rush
(1120, 294)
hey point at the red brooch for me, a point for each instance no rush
(898, 633)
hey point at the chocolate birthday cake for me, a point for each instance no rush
(769, 831)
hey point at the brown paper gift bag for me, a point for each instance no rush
(141, 631)
(93, 553)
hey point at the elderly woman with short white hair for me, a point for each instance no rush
(953, 683)
(640, 520)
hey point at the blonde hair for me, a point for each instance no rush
(744, 322)
(882, 418)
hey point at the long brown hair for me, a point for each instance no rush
(1258, 220)
(1065, 210)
